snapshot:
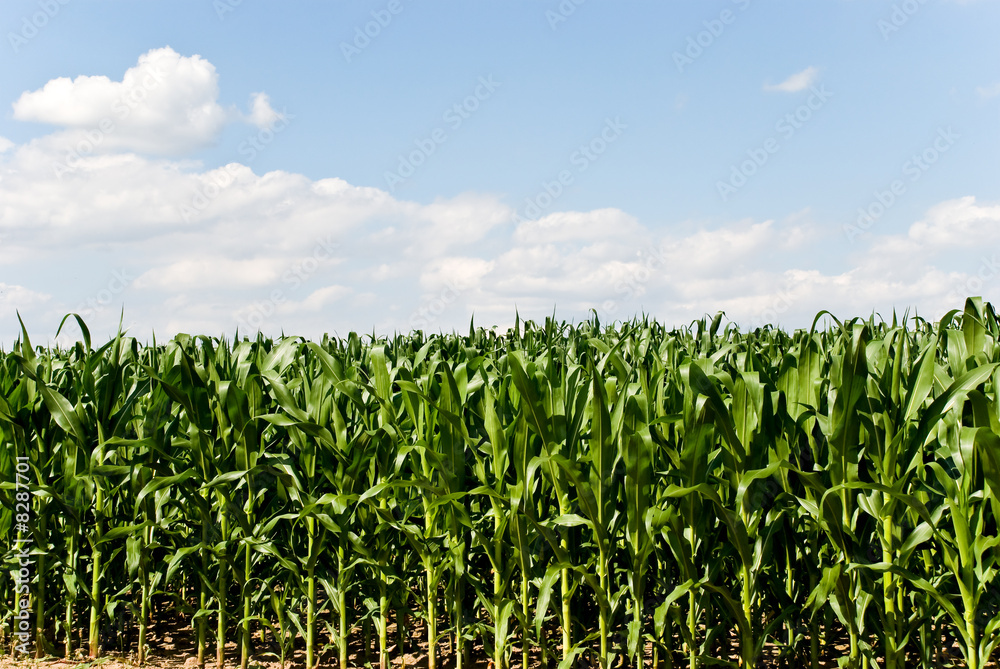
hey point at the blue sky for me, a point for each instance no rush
(700, 190)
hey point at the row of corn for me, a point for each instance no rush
(560, 494)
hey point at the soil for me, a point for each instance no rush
(172, 646)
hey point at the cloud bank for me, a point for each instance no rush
(184, 248)
(166, 104)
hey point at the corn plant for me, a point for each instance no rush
(555, 491)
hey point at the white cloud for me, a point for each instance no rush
(261, 112)
(282, 252)
(797, 82)
(166, 104)
(991, 91)
(465, 219)
(14, 297)
(458, 272)
(211, 272)
(321, 297)
(958, 223)
(5, 145)
(184, 248)
(576, 225)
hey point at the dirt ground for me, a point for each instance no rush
(172, 646)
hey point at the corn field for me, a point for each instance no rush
(557, 495)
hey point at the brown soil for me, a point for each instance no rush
(172, 646)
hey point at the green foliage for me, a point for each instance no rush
(570, 491)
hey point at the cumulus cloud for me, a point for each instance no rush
(797, 82)
(282, 252)
(577, 226)
(456, 272)
(958, 223)
(187, 249)
(320, 298)
(211, 272)
(261, 113)
(166, 104)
